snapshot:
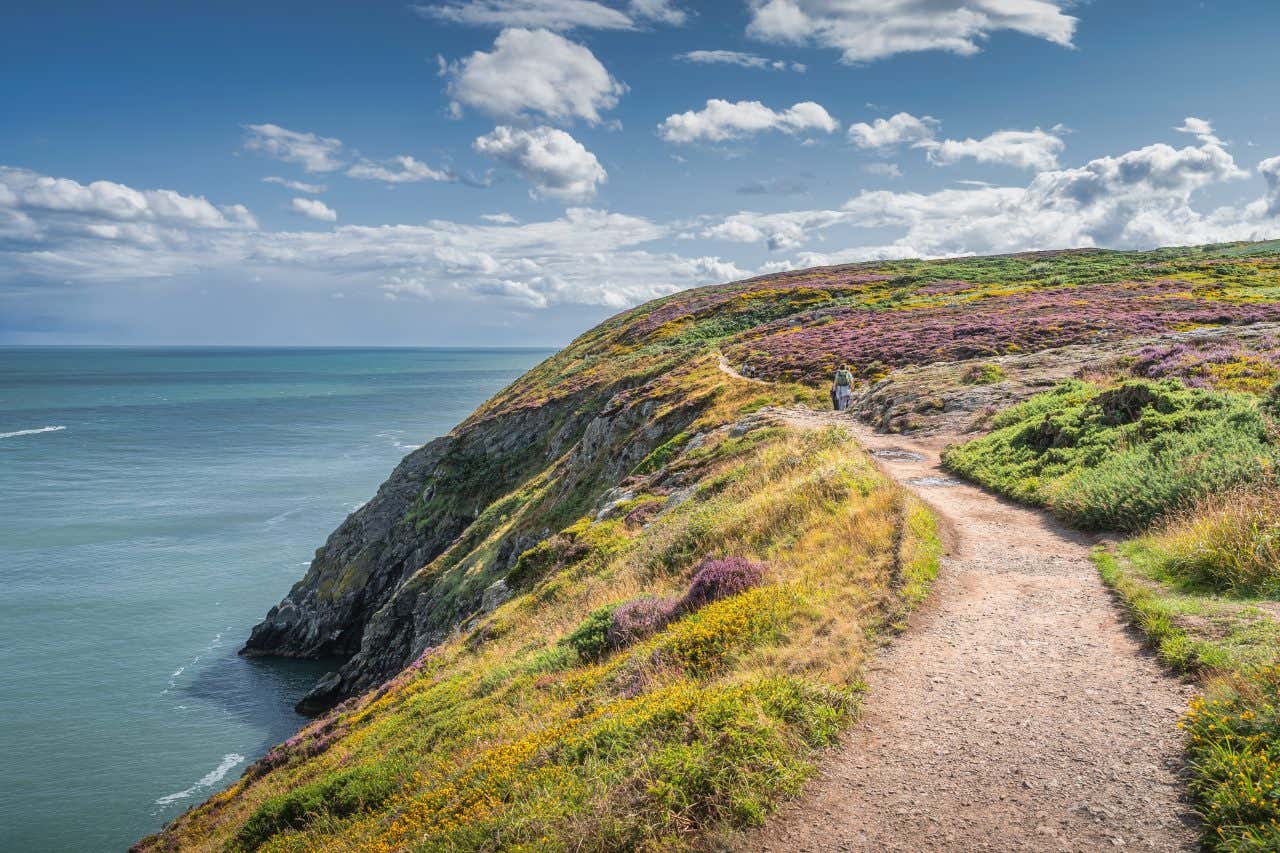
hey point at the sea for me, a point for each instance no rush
(154, 503)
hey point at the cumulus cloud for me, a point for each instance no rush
(398, 170)
(744, 60)
(296, 186)
(868, 30)
(555, 163)
(1022, 149)
(533, 72)
(313, 153)
(777, 230)
(898, 129)
(1139, 199)
(108, 210)
(1199, 128)
(314, 208)
(1270, 171)
(56, 230)
(721, 120)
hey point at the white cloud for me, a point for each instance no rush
(1139, 199)
(314, 208)
(534, 72)
(553, 161)
(56, 230)
(544, 14)
(296, 186)
(559, 15)
(721, 120)
(659, 11)
(896, 130)
(503, 218)
(1022, 149)
(867, 30)
(1199, 128)
(1270, 171)
(777, 230)
(735, 57)
(398, 170)
(313, 153)
(109, 210)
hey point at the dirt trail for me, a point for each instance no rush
(1017, 713)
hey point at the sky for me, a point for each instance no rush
(510, 172)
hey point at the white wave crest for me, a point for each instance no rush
(208, 780)
(31, 431)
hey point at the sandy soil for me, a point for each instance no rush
(1016, 713)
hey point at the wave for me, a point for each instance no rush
(208, 780)
(31, 431)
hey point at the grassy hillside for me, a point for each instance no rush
(625, 602)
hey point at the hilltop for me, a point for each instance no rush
(629, 599)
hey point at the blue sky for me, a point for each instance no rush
(569, 158)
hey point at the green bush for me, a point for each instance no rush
(340, 795)
(1271, 403)
(591, 638)
(1121, 457)
(984, 374)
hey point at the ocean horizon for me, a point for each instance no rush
(155, 501)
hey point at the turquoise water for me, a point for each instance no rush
(154, 503)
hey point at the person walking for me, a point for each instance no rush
(842, 388)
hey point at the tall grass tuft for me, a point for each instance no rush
(1230, 541)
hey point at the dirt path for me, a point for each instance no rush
(1017, 713)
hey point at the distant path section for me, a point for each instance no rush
(1016, 713)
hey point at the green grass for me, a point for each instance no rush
(1120, 457)
(1232, 645)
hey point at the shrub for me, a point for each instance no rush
(1271, 403)
(1230, 542)
(591, 638)
(639, 618)
(715, 579)
(1122, 457)
(984, 374)
(340, 795)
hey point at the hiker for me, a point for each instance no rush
(842, 388)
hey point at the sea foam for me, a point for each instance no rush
(31, 431)
(208, 780)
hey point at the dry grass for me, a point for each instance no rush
(1229, 542)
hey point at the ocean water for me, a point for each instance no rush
(154, 503)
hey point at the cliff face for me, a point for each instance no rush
(400, 574)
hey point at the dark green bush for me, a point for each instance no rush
(1121, 457)
(591, 639)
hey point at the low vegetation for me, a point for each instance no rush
(1120, 457)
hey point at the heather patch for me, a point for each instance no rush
(1230, 366)
(810, 346)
